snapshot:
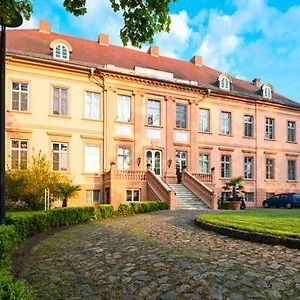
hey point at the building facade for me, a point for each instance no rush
(104, 115)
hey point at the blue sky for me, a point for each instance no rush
(245, 38)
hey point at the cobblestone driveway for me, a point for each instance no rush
(159, 256)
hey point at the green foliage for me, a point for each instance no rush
(66, 190)
(142, 18)
(235, 186)
(13, 290)
(106, 210)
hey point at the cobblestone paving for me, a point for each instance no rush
(160, 255)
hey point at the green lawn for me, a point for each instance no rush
(281, 222)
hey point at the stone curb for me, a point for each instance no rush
(261, 238)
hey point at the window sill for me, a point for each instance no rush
(205, 132)
(271, 140)
(291, 142)
(224, 134)
(60, 116)
(93, 120)
(18, 111)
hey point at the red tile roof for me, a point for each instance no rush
(35, 43)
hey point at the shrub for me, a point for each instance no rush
(13, 290)
(124, 210)
(106, 210)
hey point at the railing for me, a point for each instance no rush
(204, 177)
(160, 190)
(129, 175)
(200, 190)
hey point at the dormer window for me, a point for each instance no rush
(61, 52)
(224, 82)
(61, 49)
(267, 91)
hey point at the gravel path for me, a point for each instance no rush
(160, 255)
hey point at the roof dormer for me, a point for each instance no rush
(61, 49)
(224, 82)
(267, 90)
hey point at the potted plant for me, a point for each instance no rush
(235, 187)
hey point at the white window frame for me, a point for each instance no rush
(20, 94)
(225, 166)
(270, 125)
(132, 195)
(60, 100)
(123, 108)
(92, 199)
(153, 114)
(61, 51)
(204, 120)
(225, 122)
(204, 160)
(93, 158)
(92, 104)
(294, 172)
(61, 153)
(19, 150)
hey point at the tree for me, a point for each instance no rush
(235, 187)
(142, 18)
(66, 190)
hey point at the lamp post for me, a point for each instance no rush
(14, 21)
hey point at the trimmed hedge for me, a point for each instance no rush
(21, 227)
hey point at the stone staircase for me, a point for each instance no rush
(185, 199)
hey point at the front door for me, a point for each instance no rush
(153, 157)
(181, 161)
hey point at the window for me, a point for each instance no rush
(269, 128)
(133, 195)
(269, 168)
(60, 156)
(92, 105)
(248, 167)
(204, 163)
(19, 96)
(248, 126)
(18, 152)
(181, 116)
(204, 120)
(225, 122)
(291, 170)
(153, 113)
(92, 196)
(61, 52)
(123, 159)
(224, 82)
(225, 166)
(291, 131)
(60, 101)
(267, 91)
(91, 159)
(249, 197)
(123, 108)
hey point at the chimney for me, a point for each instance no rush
(256, 82)
(153, 50)
(103, 39)
(197, 60)
(44, 26)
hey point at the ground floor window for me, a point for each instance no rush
(92, 195)
(133, 195)
(249, 197)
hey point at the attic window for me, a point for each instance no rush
(267, 91)
(61, 52)
(61, 49)
(224, 82)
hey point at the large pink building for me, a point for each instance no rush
(103, 113)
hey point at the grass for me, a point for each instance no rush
(281, 222)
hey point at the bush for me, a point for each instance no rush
(13, 290)
(106, 210)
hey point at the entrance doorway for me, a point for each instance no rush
(153, 157)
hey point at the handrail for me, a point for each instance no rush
(161, 190)
(207, 195)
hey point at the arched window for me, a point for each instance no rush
(60, 51)
(224, 82)
(267, 91)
